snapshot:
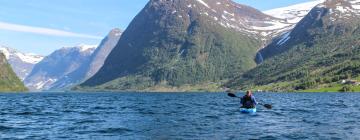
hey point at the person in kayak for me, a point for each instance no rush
(248, 101)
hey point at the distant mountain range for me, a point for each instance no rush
(22, 63)
(182, 45)
(55, 70)
(67, 67)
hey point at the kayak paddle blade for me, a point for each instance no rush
(268, 106)
(232, 95)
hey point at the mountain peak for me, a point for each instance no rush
(170, 38)
(26, 57)
(226, 13)
(115, 32)
(341, 9)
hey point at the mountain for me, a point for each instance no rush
(100, 54)
(22, 63)
(70, 66)
(54, 70)
(174, 43)
(9, 82)
(322, 50)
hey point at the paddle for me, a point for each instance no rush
(268, 106)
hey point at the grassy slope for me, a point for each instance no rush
(302, 68)
(212, 53)
(9, 82)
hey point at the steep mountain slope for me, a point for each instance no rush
(9, 82)
(100, 54)
(179, 42)
(54, 70)
(22, 63)
(320, 51)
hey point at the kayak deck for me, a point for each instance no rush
(248, 110)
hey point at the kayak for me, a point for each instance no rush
(248, 110)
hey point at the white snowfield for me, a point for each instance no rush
(203, 3)
(41, 84)
(294, 13)
(25, 57)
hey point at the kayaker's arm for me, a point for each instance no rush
(254, 100)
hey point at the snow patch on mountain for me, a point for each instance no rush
(238, 17)
(342, 10)
(41, 84)
(203, 3)
(84, 47)
(284, 39)
(294, 13)
(81, 48)
(21, 63)
(26, 57)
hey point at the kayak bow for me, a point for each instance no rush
(248, 110)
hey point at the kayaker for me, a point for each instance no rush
(248, 101)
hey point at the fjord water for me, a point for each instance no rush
(177, 116)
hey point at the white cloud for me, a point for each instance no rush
(43, 31)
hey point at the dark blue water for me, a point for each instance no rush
(177, 116)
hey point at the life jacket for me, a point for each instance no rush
(248, 102)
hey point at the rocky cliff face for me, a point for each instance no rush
(102, 52)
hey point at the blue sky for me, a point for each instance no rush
(41, 26)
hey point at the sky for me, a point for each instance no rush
(42, 26)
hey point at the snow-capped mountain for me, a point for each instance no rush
(69, 66)
(57, 66)
(294, 13)
(239, 17)
(330, 18)
(22, 63)
(248, 20)
(341, 11)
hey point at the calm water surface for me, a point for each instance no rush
(177, 116)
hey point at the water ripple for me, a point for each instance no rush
(177, 116)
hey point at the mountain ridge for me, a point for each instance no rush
(9, 82)
(69, 66)
(320, 52)
(22, 63)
